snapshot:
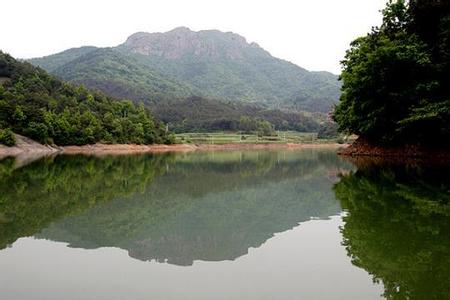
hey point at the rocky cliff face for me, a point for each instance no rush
(182, 41)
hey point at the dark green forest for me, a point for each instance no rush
(42, 107)
(396, 78)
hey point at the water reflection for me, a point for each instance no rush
(397, 227)
(181, 208)
(34, 196)
(170, 208)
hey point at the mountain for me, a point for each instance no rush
(49, 110)
(52, 62)
(154, 67)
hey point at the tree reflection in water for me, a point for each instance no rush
(397, 227)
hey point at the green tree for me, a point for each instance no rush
(37, 131)
(394, 79)
(327, 130)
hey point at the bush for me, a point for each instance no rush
(340, 140)
(327, 130)
(37, 131)
(7, 137)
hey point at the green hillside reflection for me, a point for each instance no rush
(35, 195)
(174, 209)
(398, 227)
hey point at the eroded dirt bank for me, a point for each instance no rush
(362, 148)
(26, 146)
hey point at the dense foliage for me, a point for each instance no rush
(182, 63)
(49, 110)
(197, 114)
(395, 79)
(396, 227)
(118, 75)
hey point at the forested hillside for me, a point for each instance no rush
(118, 75)
(42, 107)
(197, 114)
(52, 62)
(212, 64)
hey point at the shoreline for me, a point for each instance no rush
(29, 147)
(358, 149)
(105, 149)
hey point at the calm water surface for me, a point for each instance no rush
(224, 225)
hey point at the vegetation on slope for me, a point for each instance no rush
(395, 79)
(52, 62)
(225, 66)
(38, 105)
(126, 75)
(197, 114)
(212, 64)
(118, 75)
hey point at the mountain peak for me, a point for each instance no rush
(183, 42)
(181, 29)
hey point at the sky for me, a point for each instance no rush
(313, 34)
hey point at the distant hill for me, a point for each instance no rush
(197, 114)
(114, 73)
(154, 67)
(52, 62)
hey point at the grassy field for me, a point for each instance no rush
(235, 137)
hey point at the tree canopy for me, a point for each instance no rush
(395, 79)
(44, 108)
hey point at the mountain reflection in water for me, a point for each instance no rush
(182, 209)
(169, 208)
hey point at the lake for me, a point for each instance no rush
(301, 224)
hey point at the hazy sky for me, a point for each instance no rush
(311, 33)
